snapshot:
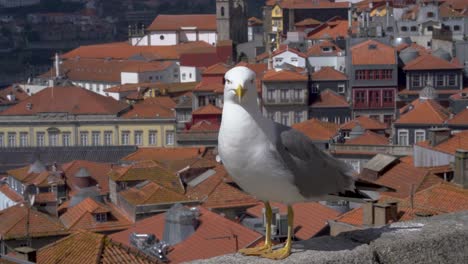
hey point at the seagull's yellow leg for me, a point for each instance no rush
(284, 252)
(266, 248)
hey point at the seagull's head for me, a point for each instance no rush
(240, 86)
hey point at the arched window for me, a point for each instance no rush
(222, 11)
(404, 29)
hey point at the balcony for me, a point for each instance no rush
(395, 150)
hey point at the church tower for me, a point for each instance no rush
(231, 20)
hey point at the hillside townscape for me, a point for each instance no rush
(110, 113)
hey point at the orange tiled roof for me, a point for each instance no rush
(17, 92)
(178, 22)
(430, 62)
(208, 109)
(81, 216)
(73, 100)
(459, 95)
(40, 179)
(450, 146)
(317, 49)
(368, 138)
(365, 122)
(364, 53)
(317, 130)
(258, 68)
(130, 87)
(285, 48)
(165, 154)
(214, 236)
(331, 30)
(204, 126)
(460, 118)
(13, 223)
(329, 98)
(284, 75)
(209, 87)
(88, 247)
(217, 69)
(309, 219)
(328, 74)
(152, 193)
(424, 112)
(146, 110)
(97, 170)
(10, 193)
(308, 22)
(307, 4)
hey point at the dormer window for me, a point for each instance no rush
(326, 49)
(100, 217)
(430, 14)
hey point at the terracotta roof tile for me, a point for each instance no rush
(151, 109)
(450, 146)
(209, 87)
(329, 99)
(214, 236)
(372, 52)
(308, 22)
(318, 49)
(286, 48)
(217, 69)
(165, 154)
(460, 118)
(208, 109)
(423, 112)
(177, 22)
(331, 30)
(16, 94)
(430, 62)
(72, 100)
(437, 92)
(13, 224)
(152, 193)
(87, 247)
(365, 122)
(204, 126)
(81, 216)
(45, 197)
(258, 68)
(460, 95)
(284, 75)
(10, 193)
(309, 218)
(368, 138)
(317, 130)
(328, 74)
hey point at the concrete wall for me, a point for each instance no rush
(168, 38)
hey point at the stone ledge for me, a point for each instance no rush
(438, 239)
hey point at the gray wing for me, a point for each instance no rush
(315, 172)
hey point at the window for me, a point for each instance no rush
(403, 137)
(107, 138)
(375, 117)
(315, 88)
(419, 135)
(53, 139)
(285, 119)
(40, 139)
(11, 139)
(387, 119)
(101, 217)
(430, 28)
(23, 139)
(161, 37)
(430, 14)
(439, 80)
(298, 116)
(297, 95)
(341, 88)
(360, 75)
(84, 138)
(125, 138)
(278, 60)
(66, 139)
(138, 138)
(53, 188)
(222, 11)
(96, 138)
(271, 115)
(388, 98)
(360, 98)
(201, 101)
(270, 95)
(1, 140)
(404, 29)
(153, 137)
(456, 28)
(212, 100)
(416, 80)
(293, 59)
(388, 74)
(183, 76)
(283, 95)
(170, 138)
(414, 29)
(452, 79)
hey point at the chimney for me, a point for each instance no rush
(57, 65)
(385, 213)
(180, 223)
(368, 213)
(350, 15)
(26, 253)
(438, 135)
(82, 178)
(461, 168)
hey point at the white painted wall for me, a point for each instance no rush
(5, 202)
(169, 38)
(185, 36)
(129, 77)
(328, 61)
(189, 74)
(210, 37)
(288, 57)
(140, 41)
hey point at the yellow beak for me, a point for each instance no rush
(240, 91)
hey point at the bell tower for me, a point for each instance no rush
(231, 20)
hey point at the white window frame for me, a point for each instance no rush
(416, 135)
(2, 139)
(153, 137)
(96, 138)
(125, 138)
(24, 139)
(84, 138)
(40, 139)
(53, 139)
(402, 131)
(285, 118)
(11, 139)
(341, 88)
(66, 136)
(107, 138)
(170, 138)
(138, 137)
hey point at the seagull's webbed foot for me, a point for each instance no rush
(281, 253)
(257, 251)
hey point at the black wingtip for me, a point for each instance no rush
(365, 185)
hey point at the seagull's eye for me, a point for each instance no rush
(228, 81)
(252, 81)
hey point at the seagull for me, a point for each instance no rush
(274, 162)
